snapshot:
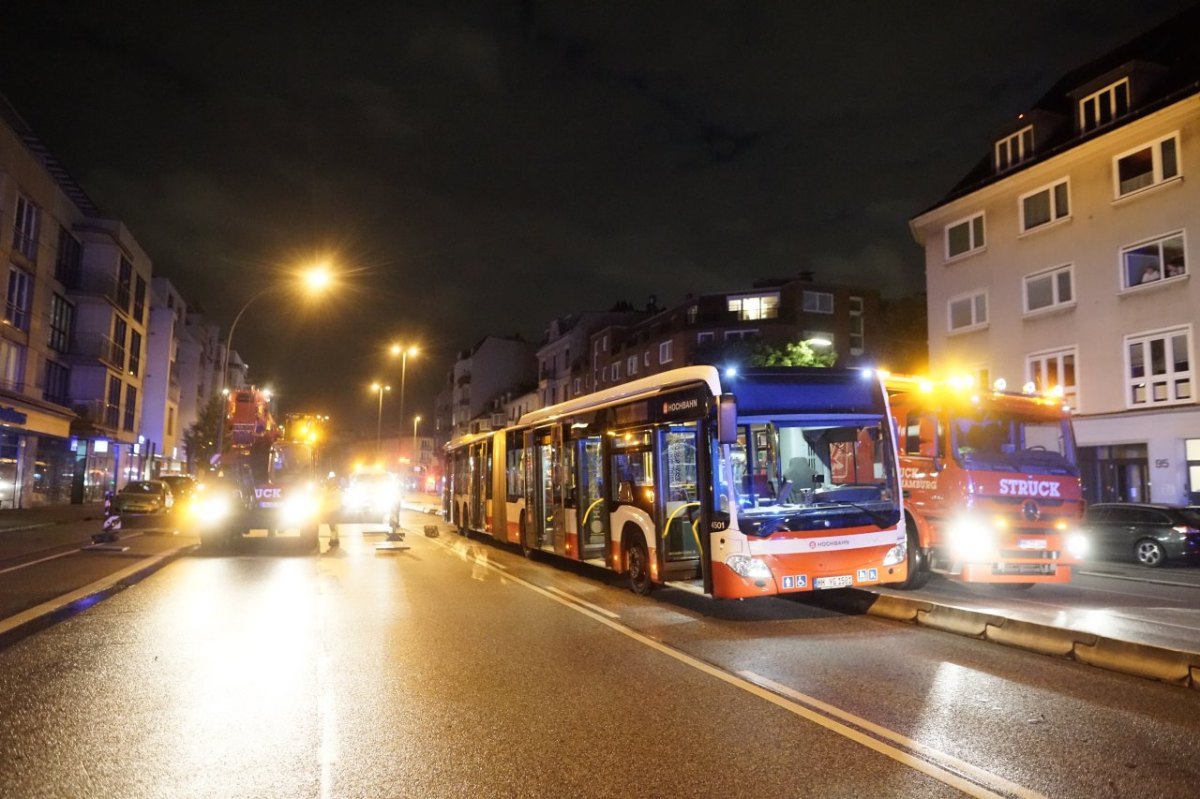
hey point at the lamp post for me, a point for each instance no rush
(316, 280)
(403, 352)
(379, 389)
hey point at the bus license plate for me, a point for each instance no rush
(841, 581)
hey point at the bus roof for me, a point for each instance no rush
(633, 390)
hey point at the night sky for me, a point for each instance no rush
(478, 168)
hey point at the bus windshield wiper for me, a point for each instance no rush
(878, 518)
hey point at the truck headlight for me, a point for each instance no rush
(1078, 544)
(210, 510)
(298, 508)
(971, 539)
(896, 554)
(748, 567)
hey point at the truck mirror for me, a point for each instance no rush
(726, 419)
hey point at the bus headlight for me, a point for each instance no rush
(1078, 544)
(971, 539)
(748, 567)
(896, 554)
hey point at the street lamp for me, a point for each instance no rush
(379, 389)
(315, 280)
(403, 352)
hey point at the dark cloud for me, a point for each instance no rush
(481, 167)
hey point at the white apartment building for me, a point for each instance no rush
(1064, 259)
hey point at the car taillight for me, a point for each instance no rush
(1183, 528)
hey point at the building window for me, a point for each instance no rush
(616, 371)
(124, 283)
(704, 338)
(1049, 289)
(1056, 369)
(1104, 106)
(12, 365)
(57, 379)
(1159, 368)
(817, 302)
(741, 335)
(759, 306)
(1014, 149)
(968, 312)
(1047, 204)
(62, 315)
(139, 300)
(664, 350)
(120, 332)
(70, 254)
(631, 365)
(693, 313)
(964, 236)
(27, 220)
(1152, 261)
(857, 344)
(135, 352)
(578, 386)
(130, 407)
(1149, 165)
(1192, 453)
(20, 295)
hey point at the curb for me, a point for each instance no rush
(1125, 657)
(35, 619)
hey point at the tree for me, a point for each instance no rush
(201, 437)
(794, 353)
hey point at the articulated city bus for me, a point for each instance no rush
(762, 482)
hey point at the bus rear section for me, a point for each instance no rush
(991, 483)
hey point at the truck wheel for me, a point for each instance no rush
(638, 559)
(918, 567)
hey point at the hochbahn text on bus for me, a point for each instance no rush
(739, 483)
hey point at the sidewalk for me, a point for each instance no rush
(27, 518)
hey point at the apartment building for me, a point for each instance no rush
(160, 433)
(495, 364)
(1063, 260)
(564, 350)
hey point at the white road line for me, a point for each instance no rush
(1137, 580)
(108, 581)
(585, 603)
(52, 557)
(933, 770)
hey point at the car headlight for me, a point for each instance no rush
(1078, 544)
(746, 566)
(971, 539)
(896, 554)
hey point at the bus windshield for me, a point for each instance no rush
(994, 439)
(808, 475)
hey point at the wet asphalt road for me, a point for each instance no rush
(458, 668)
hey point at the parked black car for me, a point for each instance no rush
(1148, 533)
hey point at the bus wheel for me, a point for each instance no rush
(639, 567)
(918, 568)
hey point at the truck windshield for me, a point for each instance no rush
(814, 474)
(292, 460)
(990, 439)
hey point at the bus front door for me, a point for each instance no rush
(679, 511)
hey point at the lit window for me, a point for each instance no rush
(964, 237)
(1159, 368)
(1014, 149)
(1152, 261)
(1104, 106)
(818, 302)
(1055, 369)
(1047, 204)
(1149, 165)
(760, 306)
(1051, 288)
(968, 311)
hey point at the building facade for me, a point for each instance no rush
(1063, 260)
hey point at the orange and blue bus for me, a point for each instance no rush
(734, 484)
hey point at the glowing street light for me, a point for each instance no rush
(315, 280)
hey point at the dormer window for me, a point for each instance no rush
(1104, 106)
(1014, 149)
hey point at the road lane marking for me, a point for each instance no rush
(584, 602)
(947, 761)
(52, 557)
(1136, 580)
(104, 583)
(933, 770)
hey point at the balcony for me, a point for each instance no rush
(102, 285)
(99, 347)
(97, 412)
